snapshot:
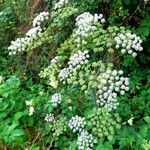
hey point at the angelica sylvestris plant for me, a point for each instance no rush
(84, 65)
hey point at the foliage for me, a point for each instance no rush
(76, 76)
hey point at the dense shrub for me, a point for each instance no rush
(75, 76)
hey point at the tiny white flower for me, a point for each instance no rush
(130, 51)
(114, 73)
(123, 51)
(122, 92)
(130, 121)
(31, 110)
(134, 54)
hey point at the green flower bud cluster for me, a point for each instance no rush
(102, 123)
(60, 16)
(96, 69)
(67, 47)
(52, 69)
(99, 40)
(89, 74)
(59, 127)
(40, 40)
(51, 72)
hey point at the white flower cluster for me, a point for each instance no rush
(18, 45)
(60, 4)
(75, 62)
(33, 32)
(64, 74)
(85, 141)
(77, 123)
(111, 84)
(85, 23)
(49, 117)
(38, 20)
(21, 44)
(78, 59)
(56, 99)
(130, 43)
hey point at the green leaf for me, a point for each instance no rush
(11, 128)
(144, 131)
(105, 146)
(147, 119)
(17, 132)
(17, 116)
(73, 145)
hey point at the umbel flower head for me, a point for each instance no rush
(77, 123)
(60, 4)
(56, 99)
(49, 117)
(85, 141)
(38, 20)
(75, 63)
(128, 43)
(110, 85)
(85, 23)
